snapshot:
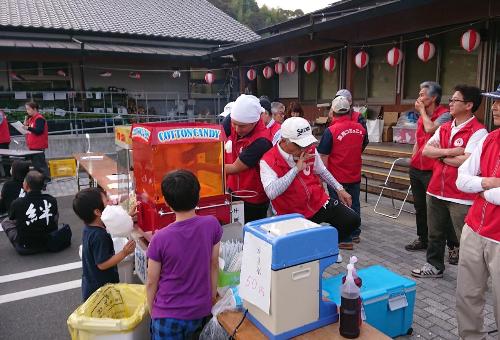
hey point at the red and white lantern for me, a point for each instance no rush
(61, 73)
(134, 75)
(470, 40)
(105, 74)
(394, 56)
(279, 68)
(267, 72)
(309, 66)
(291, 66)
(329, 64)
(426, 51)
(209, 77)
(251, 74)
(361, 59)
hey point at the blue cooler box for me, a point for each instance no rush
(388, 299)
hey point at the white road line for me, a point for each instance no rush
(24, 294)
(39, 272)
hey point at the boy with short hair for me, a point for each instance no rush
(182, 263)
(99, 261)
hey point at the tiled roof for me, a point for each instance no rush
(177, 19)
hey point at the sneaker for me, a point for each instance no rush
(453, 255)
(356, 239)
(427, 270)
(346, 245)
(339, 258)
(416, 245)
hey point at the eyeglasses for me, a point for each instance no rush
(457, 100)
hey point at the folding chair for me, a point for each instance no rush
(391, 186)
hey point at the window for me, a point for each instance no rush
(267, 87)
(308, 82)
(417, 71)
(360, 83)
(328, 81)
(23, 68)
(381, 75)
(37, 76)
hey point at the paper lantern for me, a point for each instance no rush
(426, 51)
(361, 59)
(309, 66)
(15, 76)
(251, 74)
(176, 74)
(470, 40)
(134, 75)
(61, 73)
(291, 66)
(329, 64)
(209, 77)
(267, 72)
(105, 74)
(279, 68)
(394, 56)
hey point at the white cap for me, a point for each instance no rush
(227, 109)
(344, 93)
(298, 131)
(341, 105)
(246, 109)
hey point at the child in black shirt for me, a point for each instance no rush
(13, 188)
(99, 261)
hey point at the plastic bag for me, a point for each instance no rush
(375, 129)
(230, 302)
(408, 119)
(117, 221)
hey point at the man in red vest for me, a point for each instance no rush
(340, 149)
(248, 141)
(480, 241)
(37, 138)
(451, 144)
(290, 174)
(267, 119)
(4, 138)
(432, 115)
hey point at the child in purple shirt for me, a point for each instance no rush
(182, 263)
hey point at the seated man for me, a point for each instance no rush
(35, 217)
(290, 174)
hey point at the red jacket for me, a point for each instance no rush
(4, 129)
(37, 142)
(444, 177)
(484, 217)
(275, 128)
(344, 161)
(248, 179)
(305, 195)
(419, 161)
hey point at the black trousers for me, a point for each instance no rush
(255, 211)
(340, 216)
(40, 164)
(419, 180)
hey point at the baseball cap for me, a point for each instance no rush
(345, 93)
(493, 94)
(265, 103)
(341, 105)
(227, 109)
(246, 109)
(298, 130)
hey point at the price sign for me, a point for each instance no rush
(255, 278)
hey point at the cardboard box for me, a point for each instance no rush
(390, 118)
(387, 134)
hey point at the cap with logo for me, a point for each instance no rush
(340, 105)
(298, 130)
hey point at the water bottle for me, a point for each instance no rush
(350, 308)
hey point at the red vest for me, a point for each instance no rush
(344, 161)
(248, 179)
(419, 161)
(484, 217)
(444, 177)
(275, 128)
(37, 142)
(305, 195)
(4, 129)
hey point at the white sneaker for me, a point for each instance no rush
(427, 270)
(339, 258)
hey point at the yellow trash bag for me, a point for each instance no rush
(114, 311)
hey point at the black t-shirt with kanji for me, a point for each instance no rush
(36, 216)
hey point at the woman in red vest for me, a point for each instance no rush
(480, 241)
(4, 137)
(37, 138)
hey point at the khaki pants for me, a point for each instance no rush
(479, 257)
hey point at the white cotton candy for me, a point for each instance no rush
(117, 221)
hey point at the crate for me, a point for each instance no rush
(404, 134)
(388, 299)
(62, 167)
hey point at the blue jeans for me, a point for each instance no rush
(354, 190)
